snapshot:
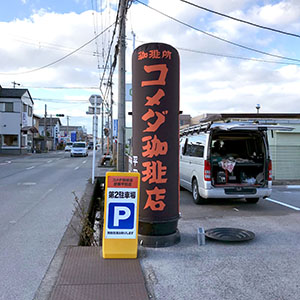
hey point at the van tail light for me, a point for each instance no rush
(207, 171)
(270, 170)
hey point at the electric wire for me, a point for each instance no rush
(219, 38)
(63, 87)
(60, 100)
(113, 65)
(44, 45)
(240, 20)
(60, 59)
(95, 23)
(109, 51)
(227, 55)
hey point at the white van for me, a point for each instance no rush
(79, 149)
(226, 160)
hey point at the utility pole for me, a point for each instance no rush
(133, 40)
(111, 134)
(51, 132)
(95, 133)
(102, 128)
(67, 127)
(121, 89)
(45, 128)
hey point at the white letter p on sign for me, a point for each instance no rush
(118, 216)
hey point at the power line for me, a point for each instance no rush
(108, 54)
(238, 57)
(42, 44)
(63, 87)
(95, 23)
(218, 38)
(61, 100)
(62, 58)
(227, 55)
(240, 20)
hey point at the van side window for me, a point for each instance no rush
(183, 144)
(195, 147)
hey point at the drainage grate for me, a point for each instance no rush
(229, 234)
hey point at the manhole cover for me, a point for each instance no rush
(229, 234)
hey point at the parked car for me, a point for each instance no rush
(226, 160)
(79, 149)
(68, 146)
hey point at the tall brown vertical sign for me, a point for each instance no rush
(155, 113)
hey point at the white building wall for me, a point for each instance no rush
(11, 123)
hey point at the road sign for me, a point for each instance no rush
(120, 234)
(73, 136)
(98, 101)
(91, 110)
(128, 92)
(115, 129)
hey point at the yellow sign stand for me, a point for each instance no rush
(121, 208)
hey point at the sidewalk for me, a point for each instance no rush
(85, 275)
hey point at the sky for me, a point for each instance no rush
(215, 76)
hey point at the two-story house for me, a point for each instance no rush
(16, 121)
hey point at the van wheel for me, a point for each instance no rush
(252, 200)
(195, 191)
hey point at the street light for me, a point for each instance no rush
(257, 108)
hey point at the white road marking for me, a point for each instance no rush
(5, 163)
(30, 168)
(76, 168)
(283, 204)
(84, 161)
(293, 186)
(28, 183)
(49, 161)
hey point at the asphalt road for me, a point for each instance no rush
(36, 205)
(266, 268)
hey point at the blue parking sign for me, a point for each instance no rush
(121, 211)
(121, 215)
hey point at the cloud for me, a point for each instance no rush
(209, 83)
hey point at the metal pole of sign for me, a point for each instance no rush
(95, 127)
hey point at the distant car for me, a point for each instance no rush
(91, 145)
(79, 149)
(68, 146)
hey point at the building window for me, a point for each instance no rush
(10, 140)
(23, 141)
(6, 106)
(29, 111)
(24, 107)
